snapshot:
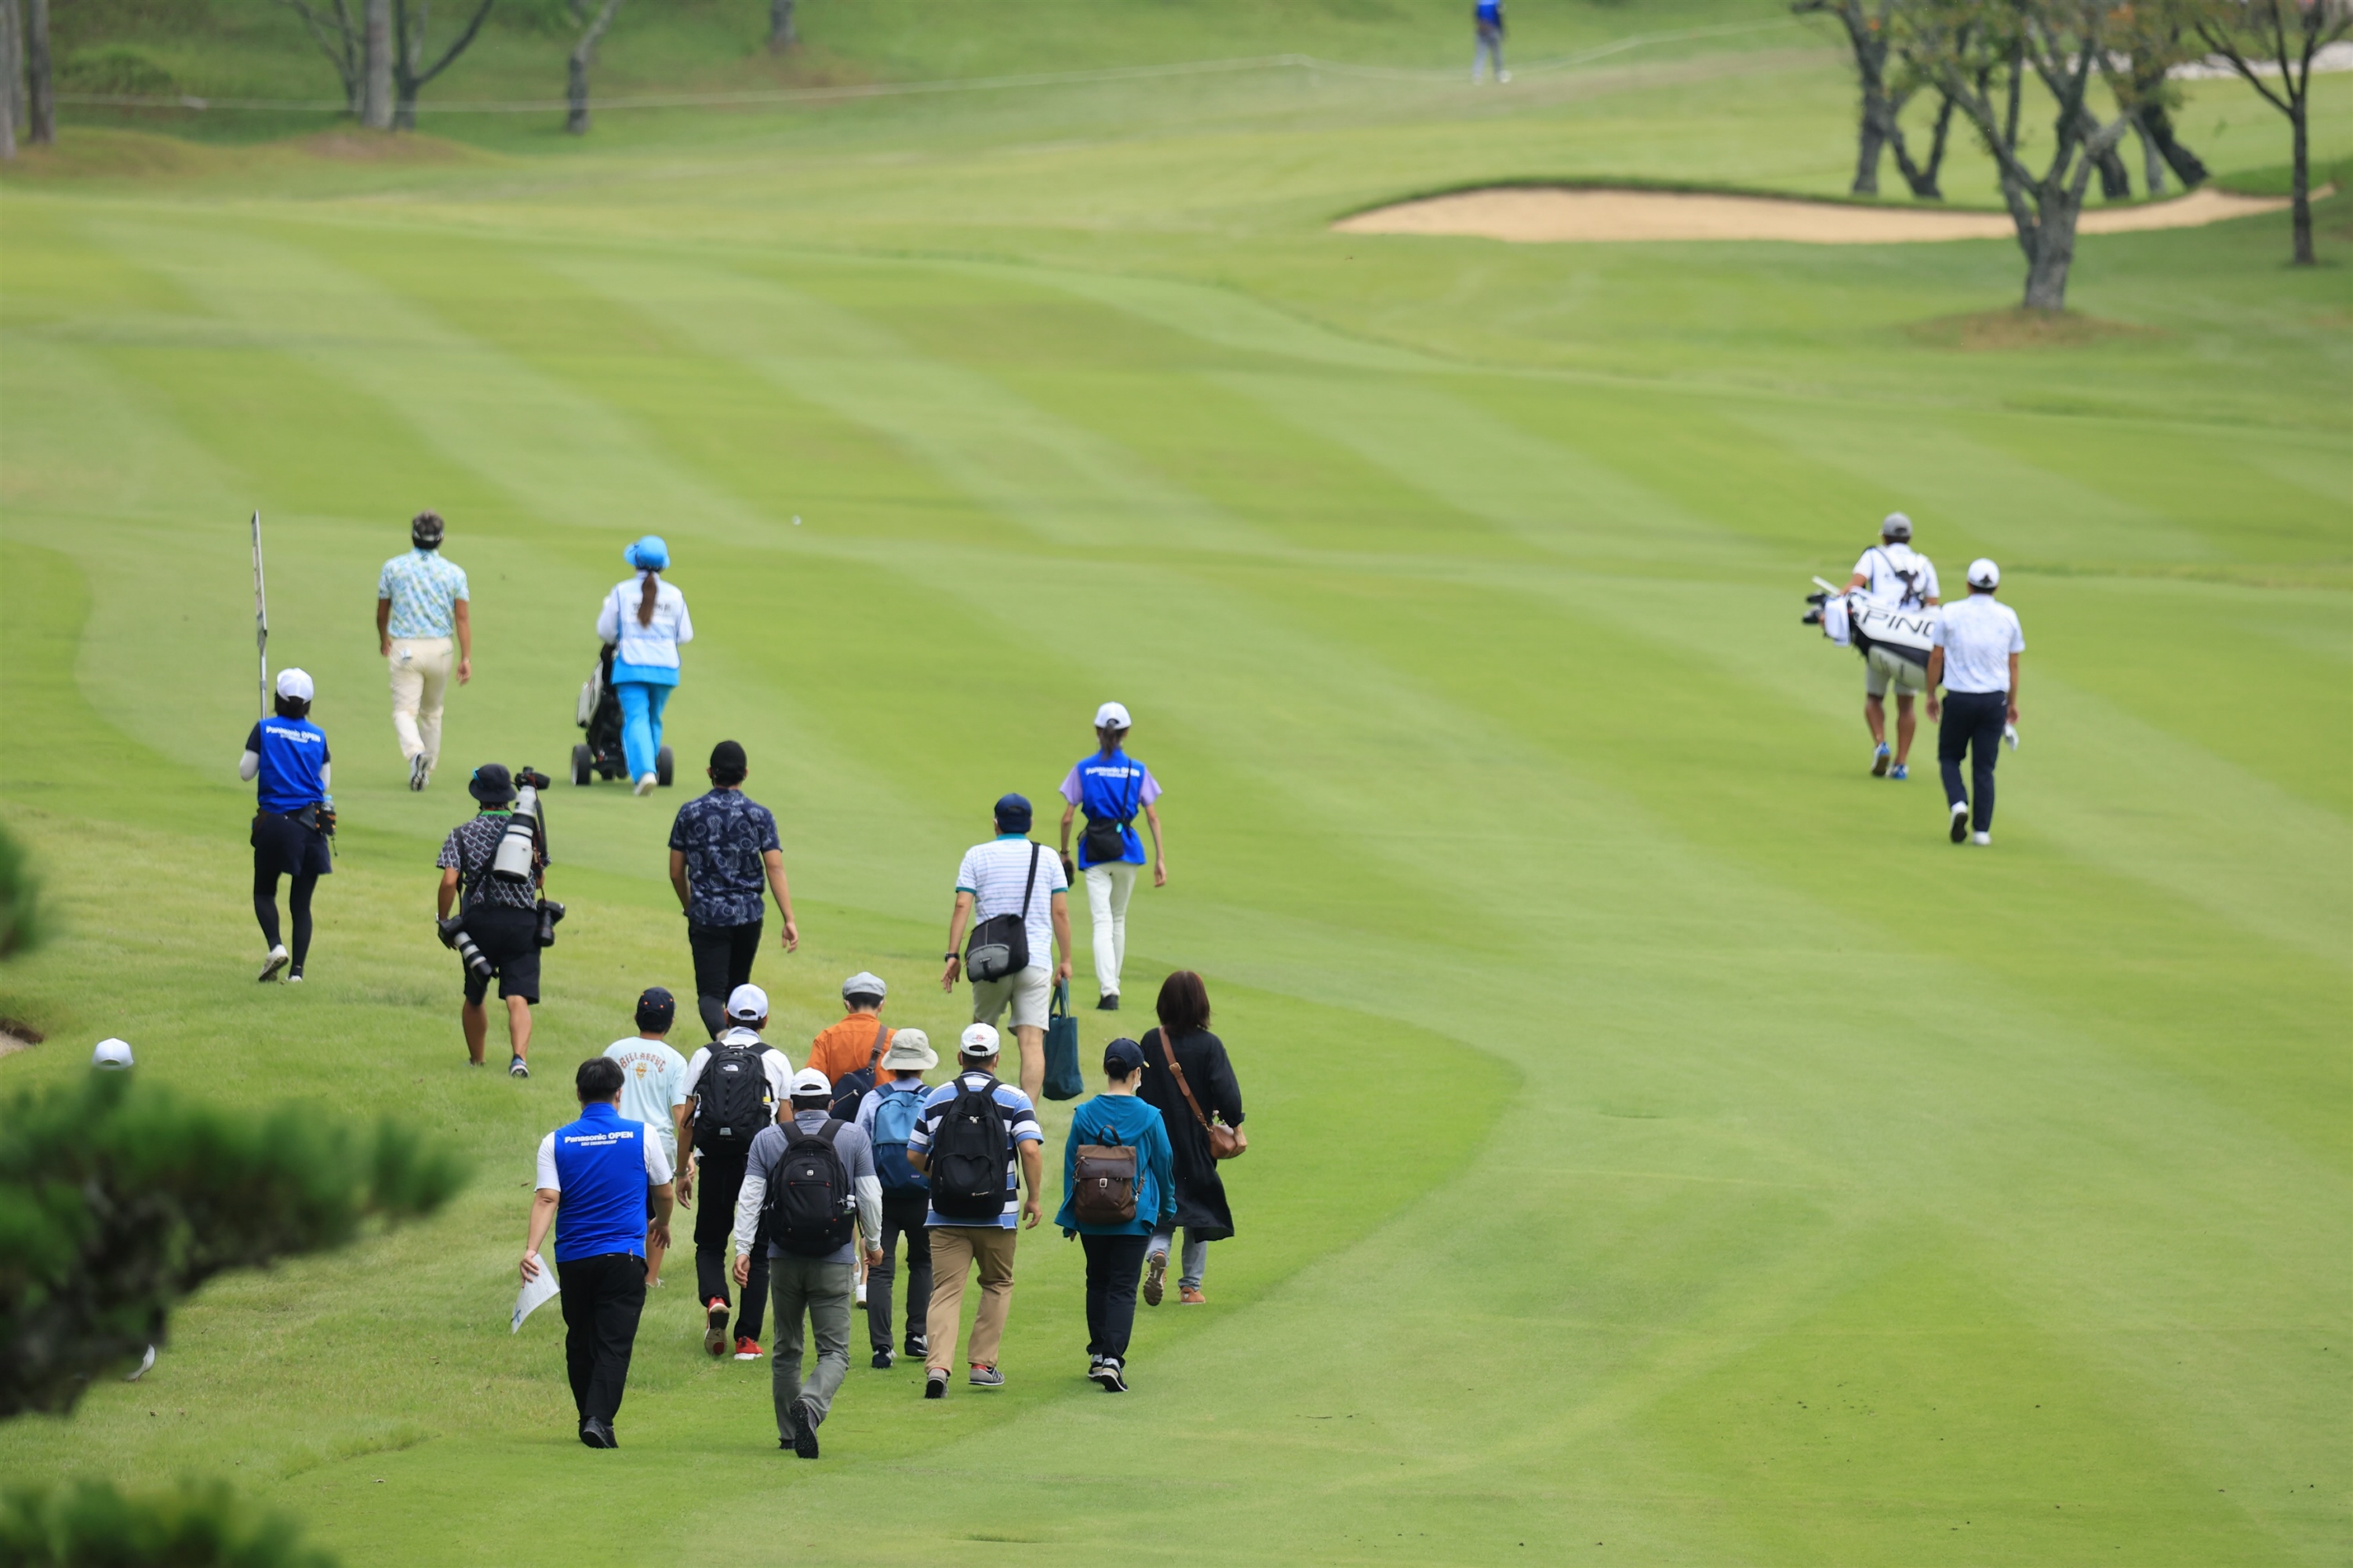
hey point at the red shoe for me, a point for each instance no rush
(747, 1350)
(1188, 1297)
(714, 1333)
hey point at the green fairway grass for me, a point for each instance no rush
(1666, 1147)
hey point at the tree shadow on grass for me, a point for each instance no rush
(1984, 332)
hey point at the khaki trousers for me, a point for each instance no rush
(421, 667)
(954, 1249)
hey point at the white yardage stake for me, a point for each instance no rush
(260, 617)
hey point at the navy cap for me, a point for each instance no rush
(1122, 1057)
(1013, 813)
(657, 1009)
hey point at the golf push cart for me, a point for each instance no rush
(599, 713)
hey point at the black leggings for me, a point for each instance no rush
(298, 904)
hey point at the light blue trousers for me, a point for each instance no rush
(641, 730)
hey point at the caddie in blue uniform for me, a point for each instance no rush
(593, 1177)
(286, 757)
(1111, 787)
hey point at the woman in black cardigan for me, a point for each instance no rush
(1184, 1009)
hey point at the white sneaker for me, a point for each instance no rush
(1981, 838)
(416, 771)
(277, 960)
(146, 1362)
(1960, 821)
(1503, 76)
(645, 783)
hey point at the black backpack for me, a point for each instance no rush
(967, 1159)
(732, 1098)
(808, 1208)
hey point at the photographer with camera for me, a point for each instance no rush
(294, 816)
(491, 870)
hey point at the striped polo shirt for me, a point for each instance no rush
(1020, 1126)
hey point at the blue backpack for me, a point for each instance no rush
(895, 1115)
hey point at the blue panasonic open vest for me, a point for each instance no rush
(1110, 789)
(600, 1169)
(293, 753)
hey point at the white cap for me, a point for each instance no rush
(748, 1004)
(977, 1040)
(114, 1055)
(294, 684)
(810, 1081)
(1984, 573)
(1111, 716)
(865, 982)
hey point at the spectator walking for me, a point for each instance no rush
(594, 1175)
(420, 605)
(1977, 642)
(857, 1042)
(808, 1180)
(1118, 1188)
(1894, 575)
(888, 1116)
(1189, 1079)
(722, 846)
(502, 917)
(644, 620)
(734, 1087)
(972, 1128)
(1111, 786)
(1010, 891)
(286, 757)
(1487, 21)
(653, 1091)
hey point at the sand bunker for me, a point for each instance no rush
(1533, 215)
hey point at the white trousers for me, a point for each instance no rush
(420, 678)
(1109, 887)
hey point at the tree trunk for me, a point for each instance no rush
(2152, 161)
(1869, 139)
(2051, 252)
(2300, 182)
(40, 96)
(575, 88)
(375, 69)
(12, 79)
(2185, 163)
(782, 34)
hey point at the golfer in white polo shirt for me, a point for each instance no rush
(1015, 878)
(1977, 642)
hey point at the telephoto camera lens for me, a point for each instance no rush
(453, 938)
(550, 912)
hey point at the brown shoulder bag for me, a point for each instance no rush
(1225, 1142)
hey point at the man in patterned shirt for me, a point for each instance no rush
(502, 917)
(721, 847)
(420, 604)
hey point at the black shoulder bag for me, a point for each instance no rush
(1105, 841)
(1000, 944)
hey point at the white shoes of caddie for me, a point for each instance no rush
(277, 960)
(645, 783)
(1981, 838)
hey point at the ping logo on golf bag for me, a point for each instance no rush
(1908, 633)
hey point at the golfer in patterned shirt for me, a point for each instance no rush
(723, 845)
(420, 605)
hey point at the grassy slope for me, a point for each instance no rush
(1662, 1139)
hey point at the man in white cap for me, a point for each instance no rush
(887, 1117)
(1976, 659)
(1111, 786)
(733, 1086)
(821, 1171)
(287, 759)
(112, 1056)
(1893, 574)
(974, 1127)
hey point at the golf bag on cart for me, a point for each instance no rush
(599, 713)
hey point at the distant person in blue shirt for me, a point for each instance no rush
(644, 621)
(420, 605)
(1111, 786)
(1114, 1119)
(1487, 16)
(593, 1178)
(288, 754)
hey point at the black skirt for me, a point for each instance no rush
(281, 846)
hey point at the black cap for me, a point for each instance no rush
(656, 1010)
(491, 784)
(425, 530)
(727, 764)
(1122, 1057)
(1013, 813)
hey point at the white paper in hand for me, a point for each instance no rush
(534, 1293)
